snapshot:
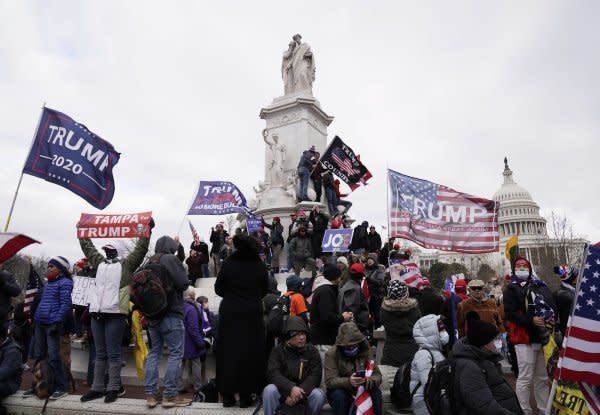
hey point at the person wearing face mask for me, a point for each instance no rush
(524, 329)
(350, 371)
(479, 302)
(294, 373)
(480, 385)
(431, 335)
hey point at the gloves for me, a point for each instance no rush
(151, 224)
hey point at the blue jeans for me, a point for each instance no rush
(169, 330)
(108, 336)
(303, 175)
(46, 342)
(204, 270)
(272, 400)
(341, 401)
(331, 200)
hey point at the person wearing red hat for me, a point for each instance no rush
(524, 333)
(351, 298)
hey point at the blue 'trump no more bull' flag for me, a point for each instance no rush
(218, 198)
(66, 153)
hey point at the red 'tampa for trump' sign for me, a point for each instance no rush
(129, 225)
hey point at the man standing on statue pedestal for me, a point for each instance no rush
(305, 166)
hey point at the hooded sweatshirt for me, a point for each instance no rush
(166, 247)
(325, 316)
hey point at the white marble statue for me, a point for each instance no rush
(277, 159)
(298, 67)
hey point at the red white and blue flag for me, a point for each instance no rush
(11, 243)
(580, 357)
(363, 401)
(34, 283)
(438, 217)
(194, 233)
(341, 160)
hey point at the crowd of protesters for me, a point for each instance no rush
(325, 349)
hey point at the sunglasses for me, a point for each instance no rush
(476, 288)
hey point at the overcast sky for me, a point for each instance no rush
(441, 93)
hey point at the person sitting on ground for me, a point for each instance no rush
(479, 302)
(399, 313)
(325, 316)
(194, 349)
(430, 334)
(10, 366)
(294, 373)
(350, 370)
(480, 385)
(351, 298)
(297, 302)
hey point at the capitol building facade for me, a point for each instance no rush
(518, 214)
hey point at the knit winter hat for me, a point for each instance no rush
(397, 290)
(520, 261)
(293, 282)
(343, 260)
(61, 263)
(373, 257)
(479, 332)
(331, 272)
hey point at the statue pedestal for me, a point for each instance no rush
(299, 123)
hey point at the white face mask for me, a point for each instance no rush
(444, 337)
(523, 275)
(498, 345)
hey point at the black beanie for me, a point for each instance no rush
(479, 332)
(331, 272)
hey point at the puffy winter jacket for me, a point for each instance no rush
(301, 248)
(55, 302)
(10, 367)
(482, 388)
(399, 318)
(351, 298)
(194, 345)
(325, 316)
(427, 336)
(113, 277)
(338, 368)
(376, 280)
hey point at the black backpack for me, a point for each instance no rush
(400, 392)
(150, 288)
(279, 315)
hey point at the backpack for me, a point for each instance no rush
(400, 392)
(150, 288)
(279, 315)
(440, 390)
(306, 286)
(207, 393)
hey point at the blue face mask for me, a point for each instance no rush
(351, 351)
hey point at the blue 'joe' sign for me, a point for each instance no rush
(336, 240)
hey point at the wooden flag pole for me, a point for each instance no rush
(12, 205)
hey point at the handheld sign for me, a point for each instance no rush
(82, 289)
(253, 224)
(130, 225)
(337, 240)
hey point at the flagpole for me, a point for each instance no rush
(12, 206)
(387, 198)
(566, 337)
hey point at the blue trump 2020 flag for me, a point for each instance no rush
(66, 153)
(218, 198)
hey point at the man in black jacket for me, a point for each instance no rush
(8, 289)
(319, 221)
(565, 296)
(276, 240)
(429, 301)
(218, 236)
(374, 240)
(325, 316)
(294, 373)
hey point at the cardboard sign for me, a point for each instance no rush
(82, 289)
(130, 225)
(336, 240)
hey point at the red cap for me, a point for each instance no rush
(357, 268)
(460, 284)
(520, 261)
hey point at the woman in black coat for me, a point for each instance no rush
(241, 360)
(479, 383)
(399, 314)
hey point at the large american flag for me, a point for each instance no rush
(580, 356)
(438, 217)
(194, 233)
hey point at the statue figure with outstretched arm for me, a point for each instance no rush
(277, 159)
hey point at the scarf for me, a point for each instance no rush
(363, 401)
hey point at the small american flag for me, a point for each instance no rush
(438, 217)
(34, 283)
(194, 233)
(363, 401)
(580, 356)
